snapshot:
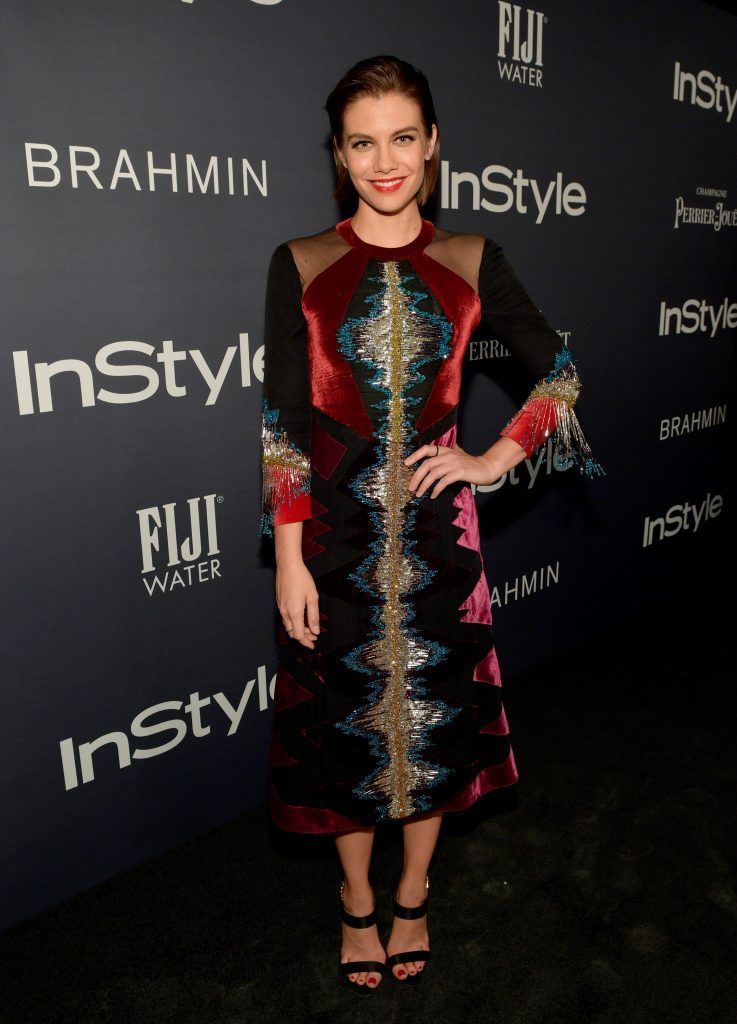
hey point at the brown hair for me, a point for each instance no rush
(377, 76)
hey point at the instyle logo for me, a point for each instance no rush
(524, 586)
(33, 381)
(677, 426)
(717, 216)
(82, 167)
(520, 50)
(703, 89)
(509, 190)
(696, 316)
(680, 518)
(78, 758)
(178, 549)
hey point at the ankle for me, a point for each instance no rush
(358, 898)
(412, 888)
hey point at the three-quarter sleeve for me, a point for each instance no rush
(509, 313)
(286, 412)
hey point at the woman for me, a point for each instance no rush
(388, 694)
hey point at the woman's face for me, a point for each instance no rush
(385, 148)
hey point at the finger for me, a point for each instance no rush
(313, 614)
(416, 479)
(302, 632)
(307, 639)
(433, 454)
(414, 456)
(297, 618)
(448, 478)
(439, 477)
(425, 449)
(431, 474)
(422, 472)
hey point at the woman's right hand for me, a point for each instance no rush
(296, 593)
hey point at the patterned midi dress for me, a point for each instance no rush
(398, 709)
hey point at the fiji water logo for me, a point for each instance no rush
(178, 547)
(520, 50)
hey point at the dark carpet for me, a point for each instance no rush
(604, 890)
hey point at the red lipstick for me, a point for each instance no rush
(387, 184)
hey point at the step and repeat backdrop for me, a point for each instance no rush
(153, 154)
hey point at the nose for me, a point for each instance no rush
(384, 162)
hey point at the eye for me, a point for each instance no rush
(410, 137)
(361, 142)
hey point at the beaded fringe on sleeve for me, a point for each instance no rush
(548, 409)
(286, 469)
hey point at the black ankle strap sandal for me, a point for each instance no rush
(356, 966)
(409, 913)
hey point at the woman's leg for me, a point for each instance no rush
(354, 849)
(420, 838)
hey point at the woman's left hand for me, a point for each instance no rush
(447, 466)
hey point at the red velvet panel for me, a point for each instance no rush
(295, 511)
(492, 777)
(487, 670)
(499, 727)
(462, 307)
(307, 819)
(324, 303)
(477, 605)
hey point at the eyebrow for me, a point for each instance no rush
(362, 135)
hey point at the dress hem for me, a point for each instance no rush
(322, 821)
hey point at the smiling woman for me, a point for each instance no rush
(389, 159)
(384, 139)
(388, 691)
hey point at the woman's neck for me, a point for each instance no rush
(390, 230)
